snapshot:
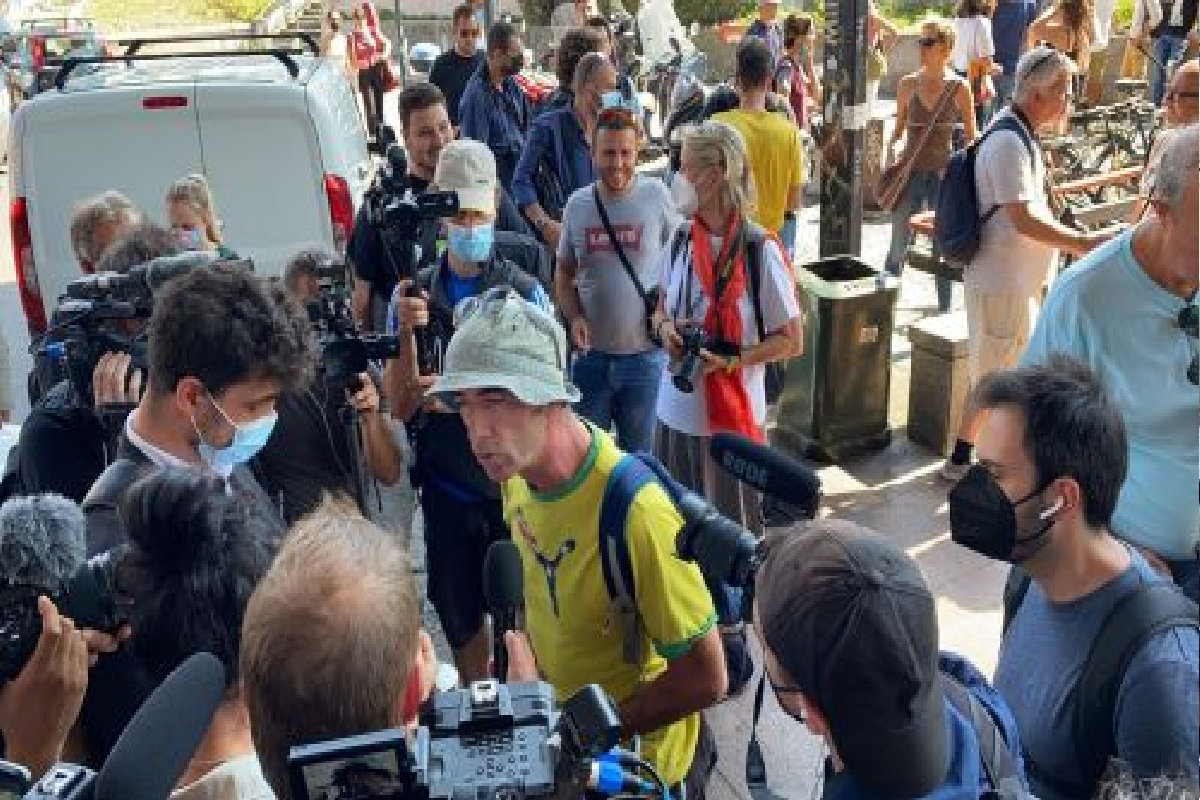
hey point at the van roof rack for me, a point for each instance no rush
(132, 46)
(285, 55)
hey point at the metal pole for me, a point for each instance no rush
(842, 139)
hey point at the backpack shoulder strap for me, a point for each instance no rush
(995, 753)
(754, 267)
(1135, 619)
(624, 482)
(1015, 588)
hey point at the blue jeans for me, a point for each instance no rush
(919, 194)
(1165, 49)
(621, 390)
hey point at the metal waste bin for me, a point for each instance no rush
(835, 400)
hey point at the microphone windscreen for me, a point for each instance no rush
(768, 470)
(42, 541)
(161, 738)
(503, 577)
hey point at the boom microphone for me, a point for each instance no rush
(41, 542)
(504, 591)
(161, 738)
(767, 470)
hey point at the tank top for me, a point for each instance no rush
(936, 152)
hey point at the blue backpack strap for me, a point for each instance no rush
(624, 482)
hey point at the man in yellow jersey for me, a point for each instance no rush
(772, 142)
(505, 370)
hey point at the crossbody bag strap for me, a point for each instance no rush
(620, 251)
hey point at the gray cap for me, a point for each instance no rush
(505, 342)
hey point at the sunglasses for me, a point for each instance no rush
(929, 41)
(1173, 96)
(1189, 323)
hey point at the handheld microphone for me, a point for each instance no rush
(768, 470)
(160, 739)
(504, 591)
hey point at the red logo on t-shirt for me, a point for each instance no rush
(597, 241)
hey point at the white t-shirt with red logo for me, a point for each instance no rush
(644, 219)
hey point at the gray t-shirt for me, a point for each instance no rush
(643, 219)
(1041, 660)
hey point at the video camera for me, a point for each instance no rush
(401, 216)
(489, 740)
(345, 353)
(96, 597)
(106, 312)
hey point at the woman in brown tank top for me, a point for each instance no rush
(934, 96)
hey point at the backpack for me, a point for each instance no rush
(631, 473)
(1134, 619)
(957, 223)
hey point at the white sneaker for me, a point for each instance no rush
(953, 472)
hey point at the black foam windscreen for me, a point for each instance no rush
(503, 579)
(768, 470)
(157, 744)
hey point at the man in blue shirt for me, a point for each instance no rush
(767, 28)
(1010, 20)
(561, 138)
(493, 109)
(1052, 456)
(460, 504)
(850, 640)
(1128, 310)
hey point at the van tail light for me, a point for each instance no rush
(27, 280)
(37, 52)
(341, 210)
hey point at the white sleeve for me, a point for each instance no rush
(989, 45)
(778, 290)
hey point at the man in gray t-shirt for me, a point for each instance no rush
(617, 367)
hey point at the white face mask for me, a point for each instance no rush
(684, 195)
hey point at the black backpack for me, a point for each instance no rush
(957, 223)
(1138, 616)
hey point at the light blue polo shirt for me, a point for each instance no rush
(1108, 313)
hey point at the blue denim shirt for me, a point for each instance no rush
(555, 135)
(499, 119)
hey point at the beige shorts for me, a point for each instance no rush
(999, 325)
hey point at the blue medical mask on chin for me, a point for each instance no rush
(472, 243)
(191, 239)
(248, 440)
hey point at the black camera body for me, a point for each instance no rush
(345, 353)
(96, 597)
(683, 372)
(488, 740)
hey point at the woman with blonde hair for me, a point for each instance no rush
(192, 215)
(930, 104)
(1070, 28)
(727, 308)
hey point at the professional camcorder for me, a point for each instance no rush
(345, 353)
(401, 216)
(96, 597)
(106, 312)
(489, 740)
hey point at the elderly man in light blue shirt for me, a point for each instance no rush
(1129, 310)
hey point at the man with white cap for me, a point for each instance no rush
(460, 503)
(506, 372)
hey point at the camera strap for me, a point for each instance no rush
(647, 300)
(723, 268)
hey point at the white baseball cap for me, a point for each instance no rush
(468, 168)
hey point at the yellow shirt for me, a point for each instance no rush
(567, 608)
(774, 147)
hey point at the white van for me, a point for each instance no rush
(277, 134)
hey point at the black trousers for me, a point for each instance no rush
(370, 85)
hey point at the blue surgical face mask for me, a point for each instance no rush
(190, 239)
(472, 243)
(248, 440)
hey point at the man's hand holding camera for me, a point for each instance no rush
(412, 312)
(39, 706)
(113, 383)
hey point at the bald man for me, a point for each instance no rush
(1181, 107)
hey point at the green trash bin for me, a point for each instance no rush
(835, 400)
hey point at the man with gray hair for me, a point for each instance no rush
(1021, 238)
(561, 138)
(98, 222)
(1129, 311)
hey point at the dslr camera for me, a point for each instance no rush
(98, 596)
(489, 740)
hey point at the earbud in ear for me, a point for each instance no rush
(1052, 510)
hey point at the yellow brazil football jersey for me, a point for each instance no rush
(773, 144)
(568, 612)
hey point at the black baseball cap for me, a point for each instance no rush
(849, 616)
